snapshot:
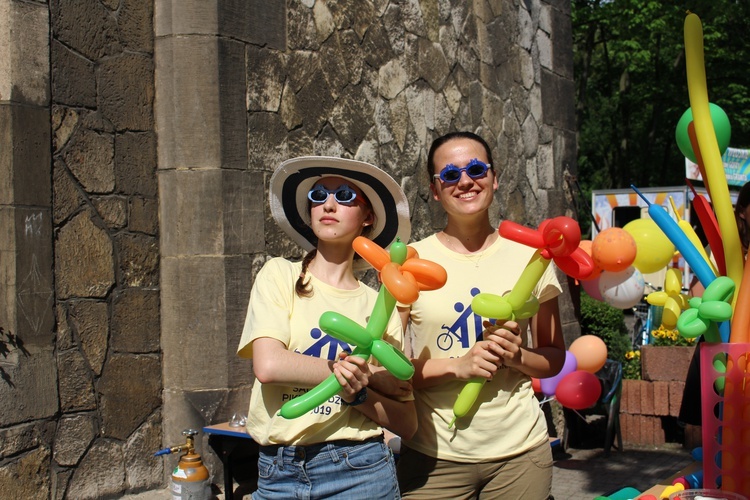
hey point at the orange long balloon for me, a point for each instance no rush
(740, 331)
(429, 275)
(371, 252)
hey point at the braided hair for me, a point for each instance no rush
(302, 288)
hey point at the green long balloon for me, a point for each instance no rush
(318, 395)
(466, 398)
(339, 326)
(518, 304)
(343, 328)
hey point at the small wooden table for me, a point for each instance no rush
(234, 446)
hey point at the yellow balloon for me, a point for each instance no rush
(670, 315)
(655, 251)
(709, 148)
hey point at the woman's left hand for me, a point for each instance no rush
(507, 339)
(353, 373)
(387, 384)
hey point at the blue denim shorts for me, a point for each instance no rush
(337, 469)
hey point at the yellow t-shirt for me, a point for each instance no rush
(506, 420)
(277, 312)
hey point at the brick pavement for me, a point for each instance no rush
(587, 473)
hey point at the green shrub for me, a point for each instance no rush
(607, 323)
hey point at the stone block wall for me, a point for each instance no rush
(82, 399)
(137, 138)
(106, 245)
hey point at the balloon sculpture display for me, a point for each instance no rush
(556, 239)
(703, 133)
(403, 275)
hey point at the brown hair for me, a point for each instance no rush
(301, 288)
(449, 137)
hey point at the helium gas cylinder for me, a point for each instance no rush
(190, 478)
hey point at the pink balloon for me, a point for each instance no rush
(578, 390)
(592, 288)
(549, 384)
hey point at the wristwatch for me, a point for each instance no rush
(360, 398)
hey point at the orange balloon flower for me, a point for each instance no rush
(402, 280)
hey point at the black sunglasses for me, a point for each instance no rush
(343, 194)
(476, 169)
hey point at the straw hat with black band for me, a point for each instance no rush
(293, 179)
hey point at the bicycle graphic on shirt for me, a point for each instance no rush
(460, 330)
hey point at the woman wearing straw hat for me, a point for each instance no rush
(336, 450)
(500, 448)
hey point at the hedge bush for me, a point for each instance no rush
(607, 323)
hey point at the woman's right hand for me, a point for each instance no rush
(482, 360)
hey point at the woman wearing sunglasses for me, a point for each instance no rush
(500, 448)
(337, 449)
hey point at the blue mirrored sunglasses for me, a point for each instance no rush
(343, 194)
(476, 169)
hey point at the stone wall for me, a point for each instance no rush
(138, 137)
(86, 383)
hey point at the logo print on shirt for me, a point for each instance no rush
(460, 330)
(334, 345)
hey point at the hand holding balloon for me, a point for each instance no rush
(402, 280)
(556, 239)
(506, 341)
(352, 373)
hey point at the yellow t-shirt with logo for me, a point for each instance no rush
(506, 419)
(275, 311)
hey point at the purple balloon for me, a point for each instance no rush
(549, 384)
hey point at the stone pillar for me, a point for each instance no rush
(28, 378)
(211, 206)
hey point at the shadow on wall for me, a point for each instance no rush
(9, 344)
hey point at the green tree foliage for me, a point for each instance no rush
(631, 85)
(607, 323)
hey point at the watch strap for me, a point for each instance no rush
(360, 398)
